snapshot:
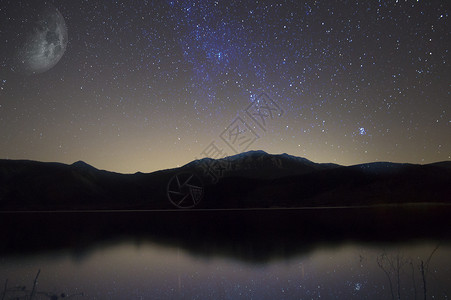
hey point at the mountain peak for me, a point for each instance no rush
(82, 165)
(248, 153)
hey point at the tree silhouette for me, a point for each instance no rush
(21, 292)
(392, 267)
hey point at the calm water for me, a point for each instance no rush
(222, 256)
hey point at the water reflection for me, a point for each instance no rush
(127, 271)
(22, 292)
(239, 255)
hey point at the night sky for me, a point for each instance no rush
(149, 85)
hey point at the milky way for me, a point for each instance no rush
(150, 85)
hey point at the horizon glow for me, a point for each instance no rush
(146, 85)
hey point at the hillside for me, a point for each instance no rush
(253, 179)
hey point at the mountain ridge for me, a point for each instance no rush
(252, 179)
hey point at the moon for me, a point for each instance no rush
(43, 40)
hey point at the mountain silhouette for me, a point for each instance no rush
(253, 179)
(259, 164)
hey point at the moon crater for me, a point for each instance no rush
(44, 41)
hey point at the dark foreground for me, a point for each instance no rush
(249, 180)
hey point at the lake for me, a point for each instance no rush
(372, 253)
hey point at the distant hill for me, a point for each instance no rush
(252, 179)
(259, 164)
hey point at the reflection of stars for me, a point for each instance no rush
(2, 84)
(361, 258)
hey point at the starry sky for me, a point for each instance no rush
(149, 85)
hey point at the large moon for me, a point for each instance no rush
(43, 40)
